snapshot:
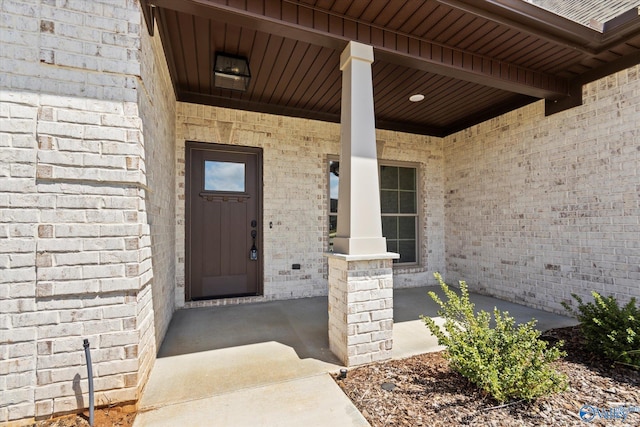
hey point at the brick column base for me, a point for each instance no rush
(361, 307)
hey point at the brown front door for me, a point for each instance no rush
(223, 256)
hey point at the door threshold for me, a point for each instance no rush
(227, 301)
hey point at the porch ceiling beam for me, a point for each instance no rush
(333, 31)
(539, 22)
(261, 107)
(574, 98)
(533, 20)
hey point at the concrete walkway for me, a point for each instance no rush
(268, 364)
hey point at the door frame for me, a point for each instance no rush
(257, 151)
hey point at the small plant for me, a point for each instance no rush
(609, 329)
(506, 361)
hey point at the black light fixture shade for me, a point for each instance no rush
(231, 72)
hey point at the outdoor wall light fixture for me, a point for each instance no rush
(231, 72)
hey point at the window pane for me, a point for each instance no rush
(407, 202)
(390, 227)
(389, 201)
(392, 246)
(223, 176)
(407, 250)
(398, 195)
(407, 178)
(334, 171)
(333, 205)
(388, 177)
(407, 227)
(333, 227)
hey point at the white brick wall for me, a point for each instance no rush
(157, 107)
(93, 44)
(540, 207)
(80, 213)
(360, 309)
(295, 180)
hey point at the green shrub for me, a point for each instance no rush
(609, 329)
(505, 361)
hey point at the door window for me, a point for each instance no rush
(224, 176)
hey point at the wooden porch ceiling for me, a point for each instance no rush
(471, 59)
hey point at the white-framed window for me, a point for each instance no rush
(398, 203)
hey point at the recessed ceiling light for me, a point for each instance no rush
(416, 98)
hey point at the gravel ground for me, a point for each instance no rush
(427, 393)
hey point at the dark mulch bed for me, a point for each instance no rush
(428, 393)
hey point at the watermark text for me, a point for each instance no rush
(589, 413)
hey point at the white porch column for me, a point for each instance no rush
(359, 226)
(360, 269)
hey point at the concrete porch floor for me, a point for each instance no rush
(268, 363)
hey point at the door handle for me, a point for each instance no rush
(253, 253)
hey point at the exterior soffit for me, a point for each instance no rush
(427, 55)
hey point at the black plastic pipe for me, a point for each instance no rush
(87, 355)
